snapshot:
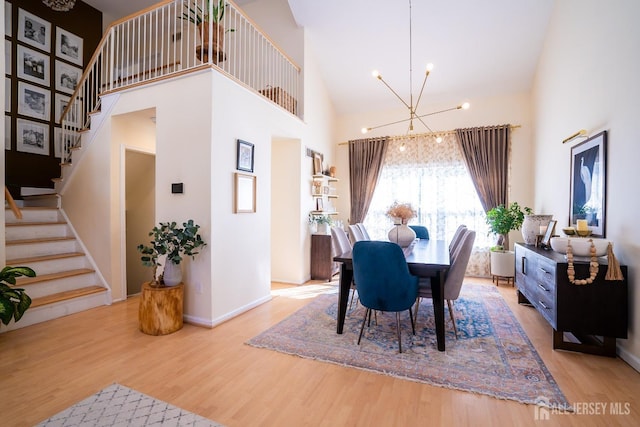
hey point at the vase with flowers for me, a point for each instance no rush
(401, 234)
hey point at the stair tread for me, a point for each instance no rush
(24, 261)
(22, 281)
(17, 224)
(67, 295)
(39, 196)
(33, 208)
(39, 240)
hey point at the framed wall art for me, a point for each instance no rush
(7, 19)
(245, 193)
(61, 103)
(67, 77)
(32, 137)
(59, 145)
(7, 57)
(34, 30)
(588, 183)
(7, 132)
(33, 101)
(33, 65)
(244, 159)
(68, 46)
(317, 164)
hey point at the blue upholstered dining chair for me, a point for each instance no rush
(455, 275)
(383, 281)
(421, 231)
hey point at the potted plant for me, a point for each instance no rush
(13, 301)
(501, 221)
(172, 241)
(322, 222)
(212, 13)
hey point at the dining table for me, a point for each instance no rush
(426, 259)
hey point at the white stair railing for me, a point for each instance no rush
(164, 41)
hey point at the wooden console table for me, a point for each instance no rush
(594, 314)
(160, 310)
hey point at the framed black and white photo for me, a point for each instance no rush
(68, 46)
(32, 137)
(244, 161)
(59, 144)
(7, 94)
(33, 65)
(34, 30)
(245, 193)
(7, 132)
(67, 77)
(33, 101)
(61, 103)
(7, 57)
(7, 19)
(588, 183)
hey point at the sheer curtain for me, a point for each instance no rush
(434, 179)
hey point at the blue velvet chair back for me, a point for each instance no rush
(421, 231)
(382, 276)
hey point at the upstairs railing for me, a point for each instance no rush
(172, 38)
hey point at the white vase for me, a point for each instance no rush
(172, 274)
(402, 235)
(531, 227)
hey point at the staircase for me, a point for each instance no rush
(65, 281)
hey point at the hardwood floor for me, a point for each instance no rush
(47, 367)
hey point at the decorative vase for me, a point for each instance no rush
(217, 41)
(322, 228)
(402, 235)
(172, 274)
(531, 227)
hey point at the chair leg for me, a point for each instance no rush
(353, 294)
(366, 312)
(417, 306)
(413, 323)
(453, 320)
(398, 329)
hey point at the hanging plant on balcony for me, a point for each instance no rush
(206, 19)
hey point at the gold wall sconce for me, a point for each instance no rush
(582, 133)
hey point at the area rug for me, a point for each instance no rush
(117, 405)
(491, 356)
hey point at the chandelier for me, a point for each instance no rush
(60, 5)
(410, 106)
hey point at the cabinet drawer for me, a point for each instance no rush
(545, 274)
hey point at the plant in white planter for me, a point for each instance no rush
(501, 221)
(322, 222)
(174, 242)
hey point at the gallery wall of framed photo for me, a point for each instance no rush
(45, 54)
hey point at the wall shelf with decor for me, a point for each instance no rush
(324, 193)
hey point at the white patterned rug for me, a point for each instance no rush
(117, 405)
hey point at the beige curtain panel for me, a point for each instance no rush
(365, 163)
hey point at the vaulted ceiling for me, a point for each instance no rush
(478, 48)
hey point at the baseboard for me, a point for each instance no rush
(210, 323)
(631, 359)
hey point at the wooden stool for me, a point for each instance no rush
(496, 279)
(160, 310)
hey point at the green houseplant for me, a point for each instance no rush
(201, 14)
(502, 220)
(174, 242)
(13, 301)
(321, 222)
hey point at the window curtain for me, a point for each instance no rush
(486, 153)
(434, 179)
(365, 162)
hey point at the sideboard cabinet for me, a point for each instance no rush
(586, 318)
(322, 265)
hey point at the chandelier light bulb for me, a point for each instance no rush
(364, 130)
(439, 139)
(466, 106)
(375, 74)
(402, 147)
(429, 67)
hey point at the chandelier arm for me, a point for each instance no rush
(424, 83)
(438, 112)
(394, 92)
(425, 125)
(416, 117)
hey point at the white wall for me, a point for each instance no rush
(3, 255)
(514, 110)
(587, 78)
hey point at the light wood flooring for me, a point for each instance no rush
(47, 367)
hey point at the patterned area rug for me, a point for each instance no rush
(117, 405)
(492, 355)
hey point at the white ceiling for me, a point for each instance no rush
(479, 48)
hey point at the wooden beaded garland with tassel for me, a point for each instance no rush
(593, 265)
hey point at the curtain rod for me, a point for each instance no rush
(420, 135)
